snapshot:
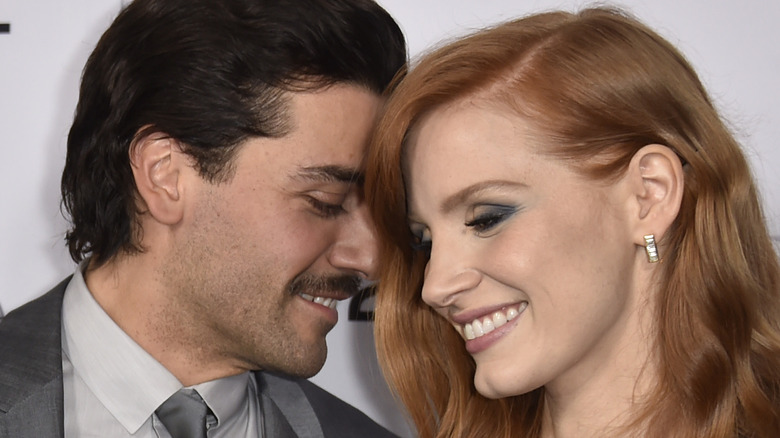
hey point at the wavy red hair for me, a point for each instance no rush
(597, 85)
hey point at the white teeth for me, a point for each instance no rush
(468, 331)
(499, 319)
(327, 302)
(487, 325)
(482, 327)
(477, 326)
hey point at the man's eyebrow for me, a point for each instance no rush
(462, 196)
(331, 173)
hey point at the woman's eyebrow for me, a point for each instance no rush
(463, 195)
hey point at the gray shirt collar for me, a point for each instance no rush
(127, 380)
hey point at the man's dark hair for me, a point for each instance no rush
(209, 73)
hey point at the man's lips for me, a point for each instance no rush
(327, 301)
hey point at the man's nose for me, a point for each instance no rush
(357, 245)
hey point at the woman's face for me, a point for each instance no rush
(531, 263)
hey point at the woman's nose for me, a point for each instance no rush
(449, 273)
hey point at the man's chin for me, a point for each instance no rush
(315, 364)
(304, 366)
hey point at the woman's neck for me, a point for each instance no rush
(601, 397)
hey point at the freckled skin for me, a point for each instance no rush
(556, 240)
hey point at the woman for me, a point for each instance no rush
(574, 242)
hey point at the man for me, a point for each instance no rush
(213, 183)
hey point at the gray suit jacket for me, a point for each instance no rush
(31, 399)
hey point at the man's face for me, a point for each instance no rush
(261, 259)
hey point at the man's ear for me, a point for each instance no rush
(158, 162)
(657, 181)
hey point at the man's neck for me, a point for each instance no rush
(128, 291)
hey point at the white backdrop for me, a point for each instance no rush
(733, 45)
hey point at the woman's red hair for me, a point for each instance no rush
(596, 86)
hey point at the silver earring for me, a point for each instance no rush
(652, 251)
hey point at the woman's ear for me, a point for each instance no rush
(657, 180)
(157, 162)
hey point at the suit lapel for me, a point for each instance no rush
(275, 425)
(31, 368)
(287, 412)
(31, 394)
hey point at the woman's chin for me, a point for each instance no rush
(492, 386)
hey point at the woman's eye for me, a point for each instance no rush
(326, 209)
(490, 217)
(421, 245)
(421, 242)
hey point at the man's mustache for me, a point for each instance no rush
(319, 285)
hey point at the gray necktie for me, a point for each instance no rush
(184, 414)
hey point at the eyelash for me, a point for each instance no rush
(481, 224)
(326, 209)
(420, 244)
(489, 220)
